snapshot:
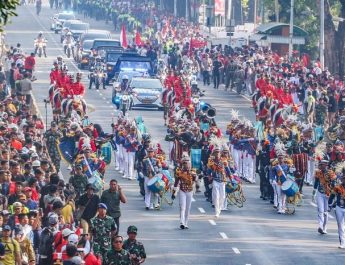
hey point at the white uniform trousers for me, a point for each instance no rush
(130, 165)
(117, 157)
(218, 196)
(322, 209)
(124, 159)
(235, 155)
(149, 194)
(121, 160)
(249, 167)
(340, 215)
(240, 162)
(275, 193)
(185, 204)
(281, 199)
(311, 171)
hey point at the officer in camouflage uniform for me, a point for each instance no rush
(103, 227)
(52, 136)
(135, 248)
(117, 255)
(78, 181)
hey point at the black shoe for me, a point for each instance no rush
(186, 227)
(261, 197)
(182, 226)
(147, 208)
(320, 231)
(271, 202)
(264, 198)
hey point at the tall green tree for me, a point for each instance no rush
(7, 10)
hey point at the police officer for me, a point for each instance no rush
(103, 227)
(52, 136)
(135, 248)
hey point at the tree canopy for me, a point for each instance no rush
(7, 10)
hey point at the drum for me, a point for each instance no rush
(106, 152)
(96, 181)
(231, 186)
(290, 188)
(167, 175)
(156, 184)
(196, 158)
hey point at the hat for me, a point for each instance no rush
(53, 219)
(132, 229)
(34, 155)
(103, 206)
(7, 227)
(17, 204)
(27, 189)
(73, 238)
(89, 186)
(53, 124)
(36, 163)
(66, 232)
(18, 230)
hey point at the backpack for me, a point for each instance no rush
(46, 243)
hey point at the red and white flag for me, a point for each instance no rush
(123, 37)
(138, 41)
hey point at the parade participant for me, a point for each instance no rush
(78, 180)
(263, 164)
(77, 87)
(112, 198)
(131, 145)
(52, 136)
(102, 229)
(218, 173)
(184, 179)
(337, 200)
(135, 248)
(117, 255)
(151, 167)
(324, 182)
(124, 84)
(87, 207)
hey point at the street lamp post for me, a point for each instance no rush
(322, 34)
(291, 28)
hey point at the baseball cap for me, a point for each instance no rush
(103, 206)
(5, 212)
(132, 229)
(22, 196)
(7, 227)
(66, 232)
(36, 163)
(27, 189)
(53, 219)
(17, 204)
(73, 238)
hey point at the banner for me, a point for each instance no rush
(219, 7)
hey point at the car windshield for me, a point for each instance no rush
(112, 57)
(153, 84)
(129, 74)
(79, 26)
(106, 43)
(135, 66)
(66, 16)
(87, 45)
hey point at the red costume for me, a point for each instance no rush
(260, 84)
(285, 99)
(54, 75)
(78, 88)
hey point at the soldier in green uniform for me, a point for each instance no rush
(117, 255)
(103, 227)
(135, 248)
(52, 136)
(78, 180)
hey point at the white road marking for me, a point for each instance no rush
(104, 98)
(248, 264)
(201, 210)
(314, 205)
(193, 200)
(223, 235)
(212, 222)
(108, 102)
(236, 250)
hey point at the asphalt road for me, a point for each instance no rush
(254, 234)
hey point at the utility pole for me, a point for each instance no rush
(262, 11)
(322, 34)
(291, 28)
(276, 9)
(255, 12)
(229, 10)
(187, 14)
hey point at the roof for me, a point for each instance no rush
(269, 29)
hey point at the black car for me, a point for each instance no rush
(131, 62)
(106, 42)
(84, 54)
(111, 58)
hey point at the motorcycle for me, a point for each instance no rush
(125, 102)
(69, 49)
(98, 77)
(40, 47)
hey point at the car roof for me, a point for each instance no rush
(75, 21)
(144, 78)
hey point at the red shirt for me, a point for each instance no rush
(90, 259)
(29, 63)
(54, 76)
(78, 89)
(285, 99)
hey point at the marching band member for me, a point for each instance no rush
(227, 161)
(151, 166)
(131, 145)
(324, 181)
(218, 173)
(55, 73)
(141, 155)
(184, 179)
(338, 194)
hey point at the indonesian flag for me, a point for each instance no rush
(123, 37)
(138, 41)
